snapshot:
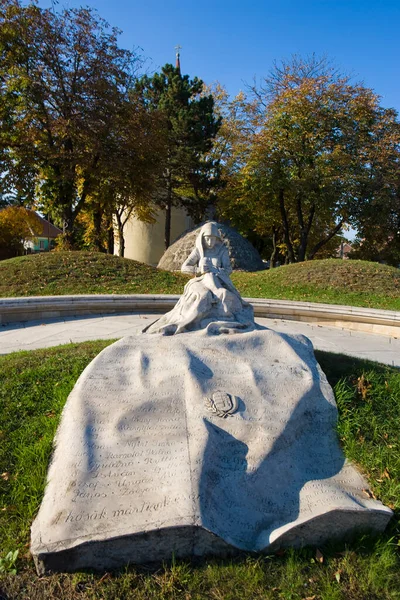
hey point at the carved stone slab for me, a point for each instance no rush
(143, 469)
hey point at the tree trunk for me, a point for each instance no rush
(301, 253)
(286, 232)
(168, 208)
(325, 240)
(274, 251)
(110, 237)
(68, 220)
(67, 195)
(70, 209)
(121, 245)
(304, 230)
(97, 223)
(121, 248)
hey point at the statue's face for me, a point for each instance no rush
(210, 241)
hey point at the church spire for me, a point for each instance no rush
(178, 57)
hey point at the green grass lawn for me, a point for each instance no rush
(33, 389)
(356, 283)
(333, 281)
(63, 273)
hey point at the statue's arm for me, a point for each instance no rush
(190, 264)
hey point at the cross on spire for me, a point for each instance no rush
(178, 49)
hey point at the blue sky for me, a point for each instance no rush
(235, 41)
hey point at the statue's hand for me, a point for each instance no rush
(206, 266)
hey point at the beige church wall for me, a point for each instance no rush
(145, 243)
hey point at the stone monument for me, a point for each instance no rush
(204, 434)
(210, 301)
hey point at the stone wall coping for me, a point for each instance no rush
(77, 299)
(30, 308)
(373, 315)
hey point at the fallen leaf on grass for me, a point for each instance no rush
(5, 476)
(369, 493)
(363, 387)
(319, 556)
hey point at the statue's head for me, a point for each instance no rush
(210, 235)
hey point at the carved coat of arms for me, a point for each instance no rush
(222, 404)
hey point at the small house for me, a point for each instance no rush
(45, 239)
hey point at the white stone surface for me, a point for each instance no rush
(142, 470)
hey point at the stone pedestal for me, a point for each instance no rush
(193, 445)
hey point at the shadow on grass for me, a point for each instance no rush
(341, 366)
(368, 569)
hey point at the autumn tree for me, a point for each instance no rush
(190, 173)
(63, 83)
(242, 198)
(133, 179)
(377, 219)
(306, 169)
(17, 224)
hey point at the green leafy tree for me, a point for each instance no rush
(377, 219)
(244, 199)
(64, 82)
(190, 173)
(307, 168)
(131, 181)
(127, 181)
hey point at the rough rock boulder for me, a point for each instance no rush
(243, 255)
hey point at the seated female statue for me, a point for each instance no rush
(210, 300)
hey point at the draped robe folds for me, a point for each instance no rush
(210, 301)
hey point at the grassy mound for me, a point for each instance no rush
(33, 389)
(63, 273)
(351, 282)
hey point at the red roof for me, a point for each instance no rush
(48, 229)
